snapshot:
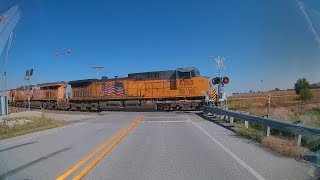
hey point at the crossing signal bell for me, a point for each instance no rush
(218, 80)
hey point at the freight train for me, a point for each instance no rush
(180, 89)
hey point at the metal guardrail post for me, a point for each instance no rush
(246, 124)
(231, 119)
(299, 140)
(268, 131)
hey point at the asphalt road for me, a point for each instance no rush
(163, 145)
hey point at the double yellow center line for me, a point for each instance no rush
(115, 139)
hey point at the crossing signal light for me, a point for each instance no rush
(225, 80)
(216, 80)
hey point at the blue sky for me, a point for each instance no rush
(267, 40)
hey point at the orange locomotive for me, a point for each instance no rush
(180, 89)
(47, 95)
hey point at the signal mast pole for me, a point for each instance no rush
(219, 60)
(219, 85)
(29, 73)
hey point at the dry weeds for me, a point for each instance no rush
(282, 113)
(284, 147)
(315, 92)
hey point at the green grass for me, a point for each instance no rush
(310, 117)
(311, 143)
(250, 133)
(36, 124)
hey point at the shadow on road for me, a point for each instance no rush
(217, 122)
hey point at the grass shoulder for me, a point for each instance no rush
(249, 133)
(280, 144)
(11, 127)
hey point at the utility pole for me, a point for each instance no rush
(6, 64)
(98, 68)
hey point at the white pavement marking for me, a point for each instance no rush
(166, 121)
(43, 133)
(162, 117)
(242, 163)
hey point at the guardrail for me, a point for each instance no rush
(298, 129)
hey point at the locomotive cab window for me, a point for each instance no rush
(184, 75)
(196, 73)
(188, 73)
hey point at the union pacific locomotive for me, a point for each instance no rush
(180, 89)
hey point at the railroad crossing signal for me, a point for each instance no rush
(220, 62)
(225, 80)
(214, 94)
(218, 80)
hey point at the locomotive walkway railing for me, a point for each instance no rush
(298, 129)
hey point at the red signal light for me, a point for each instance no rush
(225, 80)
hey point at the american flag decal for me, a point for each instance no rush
(112, 89)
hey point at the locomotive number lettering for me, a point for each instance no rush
(186, 82)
